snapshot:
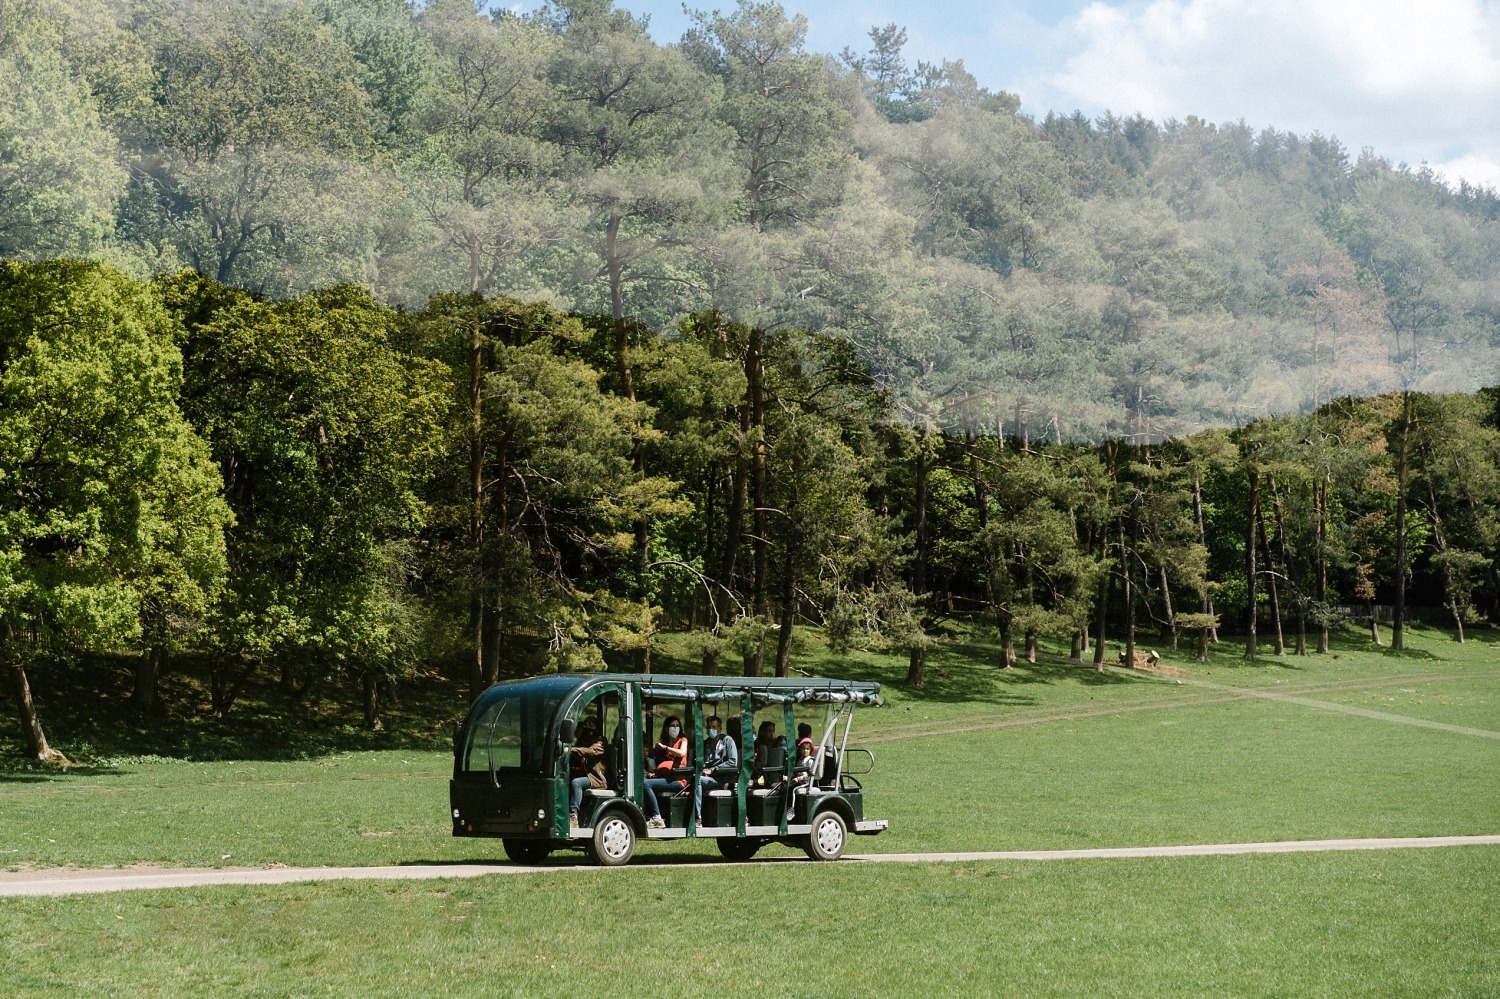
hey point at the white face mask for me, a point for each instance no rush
(673, 732)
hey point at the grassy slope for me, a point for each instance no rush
(1206, 770)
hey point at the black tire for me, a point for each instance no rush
(828, 838)
(613, 843)
(527, 851)
(737, 850)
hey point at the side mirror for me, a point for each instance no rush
(566, 730)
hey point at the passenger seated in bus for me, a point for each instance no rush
(802, 773)
(669, 753)
(587, 758)
(804, 731)
(721, 763)
(770, 753)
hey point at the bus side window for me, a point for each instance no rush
(612, 727)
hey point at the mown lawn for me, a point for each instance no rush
(1399, 923)
(1147, 761)
(1039, 757)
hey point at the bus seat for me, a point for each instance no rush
(830, 768)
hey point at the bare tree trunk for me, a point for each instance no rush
(1207, 603)
(31, 726)
(1320, 501)
(1007, 642)
(917, 662)
(1272, 588)
(1031, 645)
(1251, 514)
(1442, 543)
(1101, 612)
(1126, 558)
(477, 671)
(760, 582)
(370, 682)
(148, 671)
(788, 609)
(1166, 599)
(490, 637)
(982, 512)
(1398, 617)
(1075, 653)
(1293, 573)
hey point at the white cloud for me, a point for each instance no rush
(1479, 169)
(1415, 81)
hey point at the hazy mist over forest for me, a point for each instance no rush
(1079, 277)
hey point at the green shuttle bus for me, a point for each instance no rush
(511, 765)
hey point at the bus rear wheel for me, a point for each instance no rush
(614, 841)
(527, 851)
(828, 837)
(738, 850)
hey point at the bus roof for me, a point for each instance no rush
(770, 690)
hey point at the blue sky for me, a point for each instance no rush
(1416, 80)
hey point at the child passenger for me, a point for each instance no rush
(802, 774)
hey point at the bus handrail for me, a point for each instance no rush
(866, 770)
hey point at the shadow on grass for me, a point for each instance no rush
(12, 773)
(87, 713)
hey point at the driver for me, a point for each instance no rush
(587, 758)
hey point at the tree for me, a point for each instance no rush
(110, 518)
(59, 181)
(540, 560)
(483, 184)
(247, 160)
(323, 431)
(392, 55)
(1457, 460)
(790, 132)
(635, 138)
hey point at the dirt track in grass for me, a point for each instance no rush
(1200, 693)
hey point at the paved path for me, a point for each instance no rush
(81, 882)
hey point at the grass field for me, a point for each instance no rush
(1046, 756)
(1405, 923)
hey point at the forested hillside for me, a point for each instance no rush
(341, 340)
(326, 490)
(1078, 278)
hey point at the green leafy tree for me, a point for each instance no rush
(481, 181)
(110, 516)
(323, 431)
(59, 179)
(247, 161)
(791, 145)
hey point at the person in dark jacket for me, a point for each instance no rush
(587, 758)
(721, 762)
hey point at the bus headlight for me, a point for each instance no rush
(541, 813)
(456, 815)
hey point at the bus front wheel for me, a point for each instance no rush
(828, 837)
(614, 841)
(738, 850)
(526, 851)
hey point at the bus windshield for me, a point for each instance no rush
(511, 730)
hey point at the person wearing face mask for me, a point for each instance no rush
(669, 753)
(721, 762)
